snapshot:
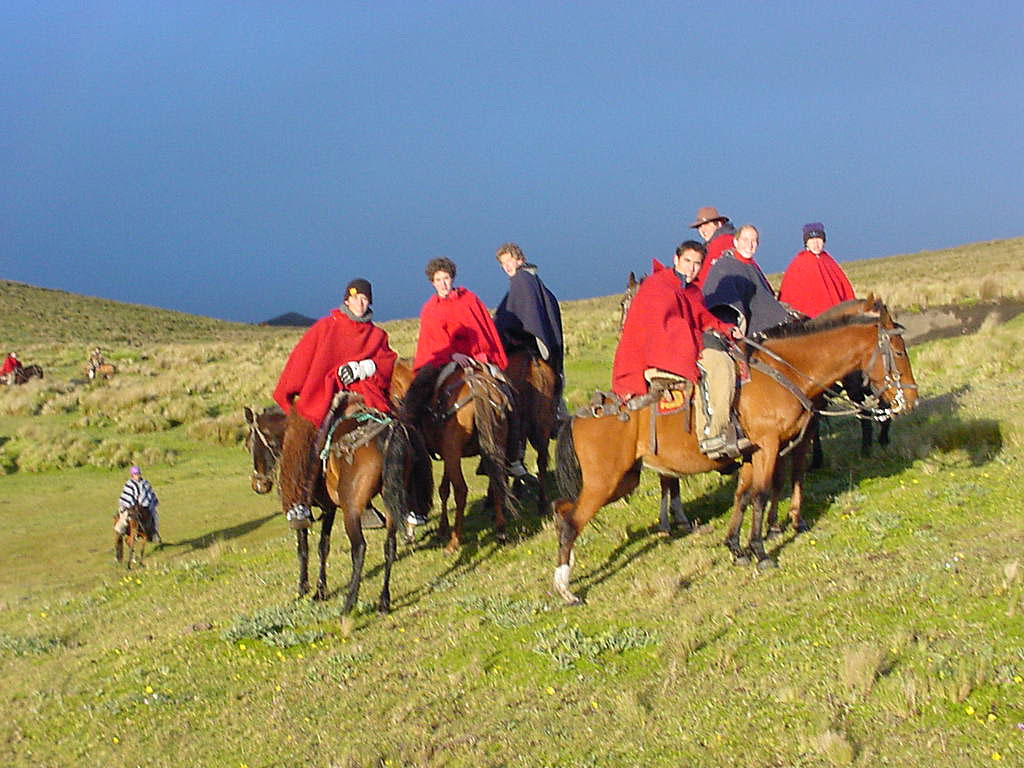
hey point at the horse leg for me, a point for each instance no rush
(302, 551)
(778, 479)
(354, 529)
(118, 548)
(570, 518)
(453, 472)
(763, 470)
(327, 523)
(541, 446)
(739, 503)
(390, 548)
(883, 432)
(799, 459)
(817, 456)
(866, 436)
(443, 491)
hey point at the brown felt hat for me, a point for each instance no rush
(706, 214)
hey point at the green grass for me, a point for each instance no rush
(891, 634)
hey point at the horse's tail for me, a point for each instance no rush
(568, 474)
(493, 403)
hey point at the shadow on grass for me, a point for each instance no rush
(224, 534)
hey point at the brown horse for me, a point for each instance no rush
(393, 462)
(464, 411)
(137, 527)
(263, 441)
(102, 371)
(599, 459)
(535, 383)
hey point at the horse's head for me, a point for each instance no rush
(632, 284)
(263, 441)
(888, 370)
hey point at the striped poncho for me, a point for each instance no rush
(137, 492)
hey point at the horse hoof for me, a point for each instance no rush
(384, 607)
(773, 533)
(741, 560)
(802, 527)
(767, 564)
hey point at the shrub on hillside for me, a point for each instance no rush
(221, 430)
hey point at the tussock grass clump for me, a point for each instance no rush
(222, 430)
(567, 644)
(862, 666)
(30, 644)
(836, 748)
(282, 626)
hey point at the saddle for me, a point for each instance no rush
(349, 406)
(481, 378)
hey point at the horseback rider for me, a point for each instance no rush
(529, 318)
(344, 350)
(814, 281)
(11, 364)
(717, 232)
(95, 361)
(138, 491)
(737, 291)
(455, 321)
(662, 338)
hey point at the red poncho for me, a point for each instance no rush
(663, 330)
(10, 363)
(719, 244)
(813, 284)
(458, 323)
(312, 368)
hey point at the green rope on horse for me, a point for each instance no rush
(361, 418)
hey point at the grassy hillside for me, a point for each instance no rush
(891, 633)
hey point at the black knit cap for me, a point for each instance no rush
(359, 285)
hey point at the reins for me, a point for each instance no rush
(892, 380)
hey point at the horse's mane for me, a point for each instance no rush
(420, 393)
(819, 324)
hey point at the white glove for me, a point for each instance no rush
(356, 370)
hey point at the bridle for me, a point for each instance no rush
(275, 453)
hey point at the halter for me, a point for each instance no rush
(884, 349)
(275, 453)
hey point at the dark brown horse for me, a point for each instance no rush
(464, 411)
(392, 462)
(263, 441)
(600, 458)
(136, 528)
(534, 383)
(22, 374)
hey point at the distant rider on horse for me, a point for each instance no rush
(11, 365)
(138, 491)
(814, 281)
(529, 318)
(95, 361)
(344, 350)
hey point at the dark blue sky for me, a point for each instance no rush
(244, 159)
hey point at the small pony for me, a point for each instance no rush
(132, 526)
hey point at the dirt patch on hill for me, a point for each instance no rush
(950, 320)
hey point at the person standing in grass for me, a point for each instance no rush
(344, 350)
(454, 321)
(814, 281)
(137, 490)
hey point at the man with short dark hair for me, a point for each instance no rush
(662, 338)
(813, 281)
(344, 350)
(717, 232)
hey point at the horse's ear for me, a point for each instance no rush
(250, 416)
(631, 283)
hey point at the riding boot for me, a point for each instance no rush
(300, 467)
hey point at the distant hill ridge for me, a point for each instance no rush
(984, 271)
(291, 319)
